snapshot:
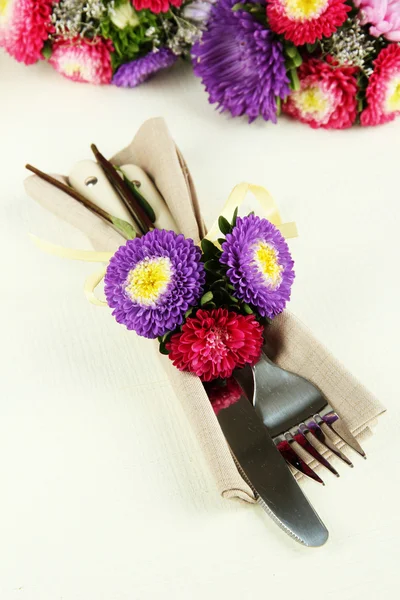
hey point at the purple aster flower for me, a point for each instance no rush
(241, 63)
(135, 72)
(153, 280)
(259, 263)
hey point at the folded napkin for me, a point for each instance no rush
(289, 343)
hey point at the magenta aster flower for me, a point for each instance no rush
(153, 280)
(156, 6)
(259, 263)
(327, 95)
(137, 71)
(383, 15)
(214, 343)
(241, 63)
(383, 91)
(84, 60)
(25, 25)
(306, 21)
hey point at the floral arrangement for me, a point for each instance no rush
(327, 63)
(206, 306)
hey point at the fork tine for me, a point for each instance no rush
(319, 434)
(294, 459)
(303, 438)
(336, 424)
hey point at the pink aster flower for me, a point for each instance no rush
(383, 91)
(327, 95)
(25, 25)
(305, 21)
(156, 6)
(214, 343)
(383, 15)
(83, 60)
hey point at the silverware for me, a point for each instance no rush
(263, 467)
(297, 416)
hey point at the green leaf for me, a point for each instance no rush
(294, 80)
(221, 241)
(163, 349)
(247, 309)
(212, 266)
(235, 214)
(207, 297)
(297, 61)
(188, 313)
(311, 48)
(233, 299)
(291, 50)
(224, 225)
(47, 50)
(209, 249)
(278, 102)
(124, 228)
(141, 199)
(218, 283)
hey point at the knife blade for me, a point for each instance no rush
(266, 472)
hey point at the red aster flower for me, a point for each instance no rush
(305, 21)
(327, 95)
(222, 396)
(156, 6)
(214, 343)
(383, 91)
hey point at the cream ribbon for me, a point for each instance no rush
(235, 200)
(93, 280)
(267, 203)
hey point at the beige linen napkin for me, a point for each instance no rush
(289, 342)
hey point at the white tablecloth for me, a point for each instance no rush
(76, 427)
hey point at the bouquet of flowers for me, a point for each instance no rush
(209, 300)
(327, 63)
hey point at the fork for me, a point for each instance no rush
(297, 415)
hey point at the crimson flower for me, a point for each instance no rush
(214, 343)
(306, 21)
(156, 6)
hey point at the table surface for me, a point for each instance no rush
(77, 431)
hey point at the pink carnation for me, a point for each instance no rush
(305, 21)
(383, 91)
(88, 61)
(327, 95)
(25, 25)
(156, 6)
(383, 15)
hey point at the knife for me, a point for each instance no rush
(264, 469)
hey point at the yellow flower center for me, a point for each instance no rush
(305, 10)
(311, 100)
(3, 7)
(149, 280)
(266, 259)
(393, 98)
(72, 68)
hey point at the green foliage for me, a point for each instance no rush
(224, 225)
(131, 42)
(142, 201)
(124, 228)
(206, 298)
(293, 60)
